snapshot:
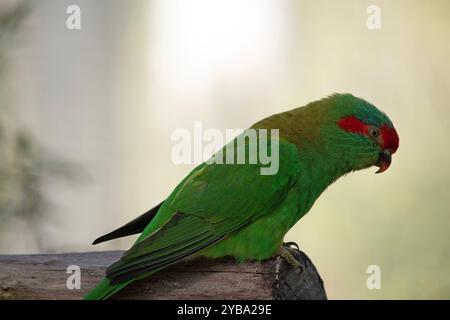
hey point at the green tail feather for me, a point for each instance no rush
(104, 290)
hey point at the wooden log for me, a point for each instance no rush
(45, 277)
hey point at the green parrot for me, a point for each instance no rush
(233, 210)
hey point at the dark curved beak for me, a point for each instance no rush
(384, 161)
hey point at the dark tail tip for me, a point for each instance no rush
(99, 240)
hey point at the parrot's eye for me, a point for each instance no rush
(374, 132)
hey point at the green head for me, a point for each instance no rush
(356, 134)
(338, 134)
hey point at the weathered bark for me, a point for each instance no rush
(44, 277)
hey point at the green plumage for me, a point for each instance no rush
(232, 210)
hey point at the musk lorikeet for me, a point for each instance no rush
(233, 210)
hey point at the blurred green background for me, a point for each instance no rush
(86, 118)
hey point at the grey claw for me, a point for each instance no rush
(291, 244)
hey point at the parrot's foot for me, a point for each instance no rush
(291, 244)
(286, 255)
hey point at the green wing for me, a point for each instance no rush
(212, 202)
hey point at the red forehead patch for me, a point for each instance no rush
(389, 137)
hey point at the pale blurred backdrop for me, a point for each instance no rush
(101, 103)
